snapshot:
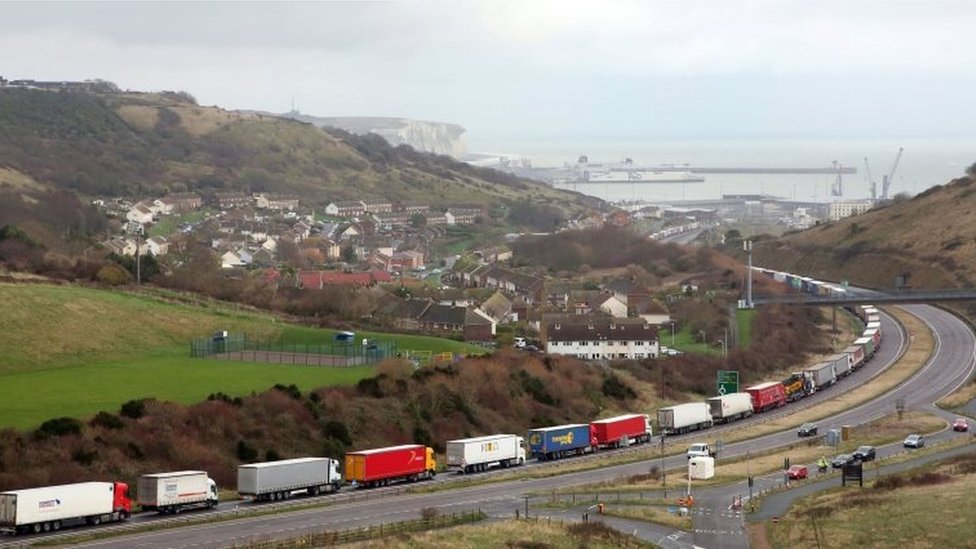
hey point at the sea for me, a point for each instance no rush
(923, 164)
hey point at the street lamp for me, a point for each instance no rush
(725, 350)
(672, 335)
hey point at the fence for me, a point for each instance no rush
(239, 347)
(321, 539)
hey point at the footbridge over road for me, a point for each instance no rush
(870, 297)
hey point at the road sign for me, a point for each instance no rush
(728, 382)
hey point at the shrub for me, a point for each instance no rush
(245, 452)
(134, 409)
(59, 427)
(337, 430)
(107, 420)
(113, 275)
(614, 388)
(291, 390)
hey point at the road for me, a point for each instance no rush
(715, 526)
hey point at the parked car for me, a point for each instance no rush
(865, 453)
(914, 441)
(843, 459)
(960, 425)
(797, 472)
(807, 430)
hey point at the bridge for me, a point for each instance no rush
(870, 297)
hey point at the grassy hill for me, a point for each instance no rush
(134, 143)
(929, 237)
(71, 351)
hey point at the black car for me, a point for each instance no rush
(865, 453)
(807, 430)
(842, 460)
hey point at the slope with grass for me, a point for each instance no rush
(72, 351)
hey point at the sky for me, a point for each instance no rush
(526, 70)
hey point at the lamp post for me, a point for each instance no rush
(664, 472)
(672, 334)
(725, 350)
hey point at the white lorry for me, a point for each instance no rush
(49, 508)
(175, 491)
(682, 418)
(276, 480)
(701, 449)
(730, 407)
(469, 455)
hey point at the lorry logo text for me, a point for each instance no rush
(48, 504)
(564, 439)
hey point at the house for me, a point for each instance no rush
(346, 208)
(158, 246)
(451, 318)
(140, 213)
(461, 217)
(275, 202)
(586, 301)
(391, 220)
(407, 260)
(651, 311)
(436, 219)
(230, 260)
(411, 209)
(378, 206)
(181, 202)
(122, 246)
(231, 200)
(316, 280)
(262, 258)
(349, 231)
(602, 340)
(498, 307)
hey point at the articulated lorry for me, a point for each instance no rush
(176, 491)
(50, 508)
(277, 480)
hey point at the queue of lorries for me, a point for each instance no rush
(49, 508)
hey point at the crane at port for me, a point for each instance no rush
(872, 184)
(887, 180)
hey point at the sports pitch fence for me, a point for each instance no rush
(239, 347)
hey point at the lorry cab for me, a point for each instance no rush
(520, 452)
(335, 475)
(120, 499)
(431, 464)
(213, 496)
(700, 449)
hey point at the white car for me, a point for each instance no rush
(914, 441)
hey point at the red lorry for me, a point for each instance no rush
(381, 466)
(622, 430)
(767, 395)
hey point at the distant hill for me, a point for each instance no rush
(432, 137)
(929, 237)
(137, 144)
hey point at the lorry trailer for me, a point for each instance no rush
(50, 508)
(766, 396)
(175, 491)
(681, 418)
(469, 455)
(730, 407)
(561, 441)
(622, 430)
(277, 480)
(822, 374)
(381, 466)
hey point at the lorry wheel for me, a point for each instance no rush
(46, 526)
(37, 528)
(56, 525)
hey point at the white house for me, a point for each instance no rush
(158, 246)
(139, 214)
(602, 341)
(230, 260)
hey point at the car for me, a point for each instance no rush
(843, 459)
(960, 425)
(914, 441)
(807, 430)
(865, 453)
(797, 472)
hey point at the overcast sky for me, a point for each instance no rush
(534, 70)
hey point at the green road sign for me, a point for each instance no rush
(728, 382)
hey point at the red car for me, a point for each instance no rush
(797, 472)
(960, 425)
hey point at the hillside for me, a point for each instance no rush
(137, 144)
(929, 237)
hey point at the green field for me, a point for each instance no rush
(70, 351)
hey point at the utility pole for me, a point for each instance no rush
(138, 262)
(747, 246)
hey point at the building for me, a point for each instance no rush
(181, 202)
(158, 246)
(847, 208)
(275, 202)
(346, 208)
(231, 200)
(602, 340)
(140, 214)
(378, 206)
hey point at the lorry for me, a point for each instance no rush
(48, 508)
(855, 356)
(469, 455)
(874, 335)
(381, 466)
(822, 374)
(841, 363)
(701, 449)
(560, 441)
(175, 491)
(624, 430)
(730, 407)
(766, 396)
(681, 418)
(277, 480)
(868, 344)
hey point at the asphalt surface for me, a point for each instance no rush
(715, 525)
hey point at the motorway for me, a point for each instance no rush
(950, 365)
